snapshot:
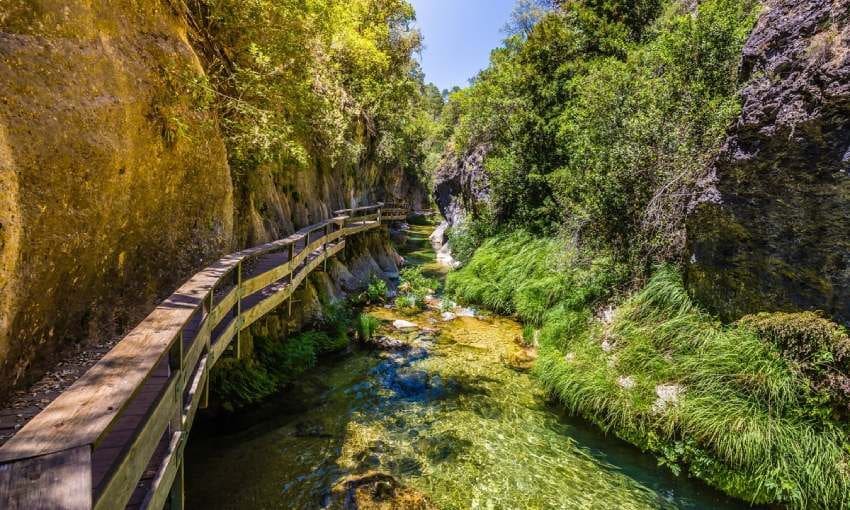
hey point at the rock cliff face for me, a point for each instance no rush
(114, 183)
(772, 228)
(461, 183)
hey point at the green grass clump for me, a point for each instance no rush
(366, 326)
(414, 288)
(238, 383)
(530, 277)
(738, 413)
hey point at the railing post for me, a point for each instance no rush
(176, 498)
(238, 345)
(291, 256)
(63, 478)
(379, 215)
(327, 235)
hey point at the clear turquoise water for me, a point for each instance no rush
(449, 418)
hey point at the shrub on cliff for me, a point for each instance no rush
(295, 82)
(816, 346)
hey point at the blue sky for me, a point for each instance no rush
(459, 35)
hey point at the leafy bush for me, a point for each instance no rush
(465, 238)
(287, 358)
(413, 290)
(238, 383)
(819, 347)
(336, 320)
(376, 292)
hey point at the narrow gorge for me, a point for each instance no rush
(253, 258)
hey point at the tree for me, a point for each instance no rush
(526, 14)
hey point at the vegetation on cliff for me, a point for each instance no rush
(601, 118)
(293, 78)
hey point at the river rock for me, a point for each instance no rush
(403, 325)
(412, 382)
(448, 316)
(377, 491)
(386, 343)
(770, 228)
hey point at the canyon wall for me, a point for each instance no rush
(114, 176)
(771, 230)
(114, 186)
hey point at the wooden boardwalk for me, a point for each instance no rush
(115, 438)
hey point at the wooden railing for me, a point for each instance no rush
(115, 438)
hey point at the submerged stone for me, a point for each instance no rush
(377, 491)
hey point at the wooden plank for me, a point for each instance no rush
(192, 358)
(196, 391)
(263, 280)
(126, 476)
(161, 485)
(59, 480)
(218, 348)
(221, 309)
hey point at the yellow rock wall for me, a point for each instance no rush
(114, 185)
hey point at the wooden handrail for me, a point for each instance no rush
(163, 363)
(353, 211)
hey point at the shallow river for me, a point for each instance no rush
(448, 417)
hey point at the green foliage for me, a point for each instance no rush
(237, 383)
(601, 119)
(336, 320)
(530, 277)
(367, 325)
(296, 81)
(735, 412)
(413, 290)
(806, 337)
(276, 361)
(466, 237)
(376, 291)
(817, 347)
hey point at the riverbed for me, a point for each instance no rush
(451, 416)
